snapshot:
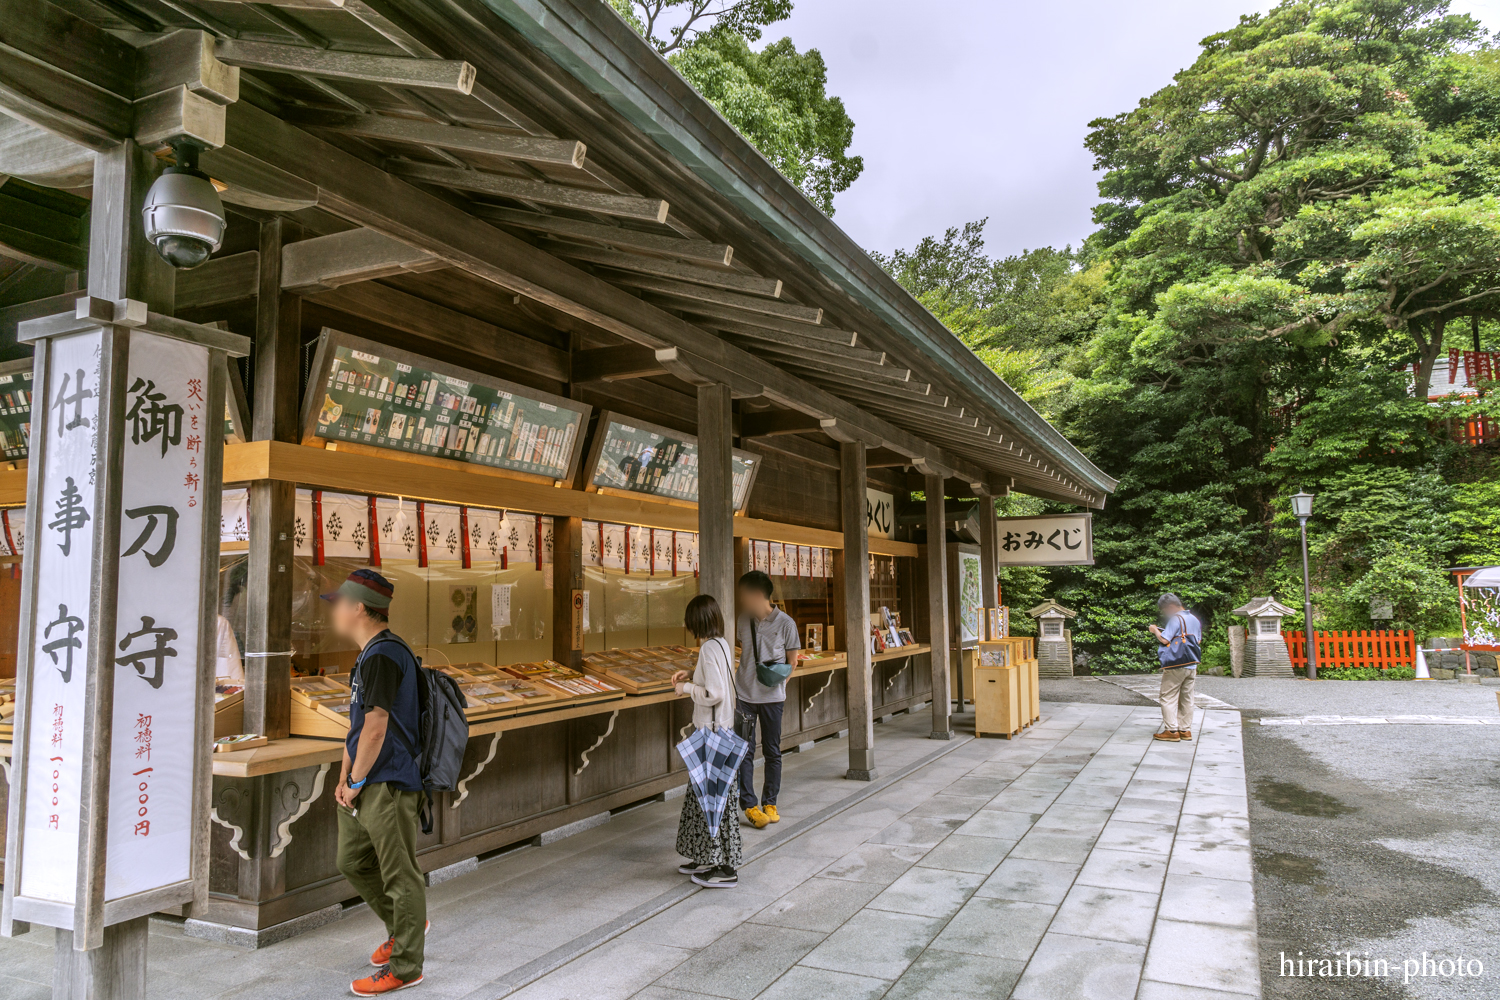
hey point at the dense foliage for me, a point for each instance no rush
(776, 97)
(1303, 213)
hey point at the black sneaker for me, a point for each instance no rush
(717, 878)
(693, 868)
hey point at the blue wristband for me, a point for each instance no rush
(357, 785)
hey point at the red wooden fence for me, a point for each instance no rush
(1354, 649)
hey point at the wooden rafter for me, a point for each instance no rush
(730, 281)
(453, 75)
(531, 149)
(536, 192)
(731, 301)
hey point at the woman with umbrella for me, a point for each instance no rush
(712, 753)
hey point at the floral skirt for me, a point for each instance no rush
(694, 841)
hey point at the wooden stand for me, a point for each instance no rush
(998, 701)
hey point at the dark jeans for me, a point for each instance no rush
(768, 715)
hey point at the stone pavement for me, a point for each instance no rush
(1082, 860)
(1149, 686)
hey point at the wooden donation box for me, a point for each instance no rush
(997, 701)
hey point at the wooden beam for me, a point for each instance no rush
(810, 315)
(778, 423)
(797, 447)
(762, 327)
(186, 58)
(531, 149)
(833, 363)
(221, 279)
(882, 458)
(696, 251)
(537, 192)
(326, 262)
(731, 281)
(613, 364)
(453, 75)
(13, 315)
(811, 349)
(698, 371)
(381, 304)
(42, 227)
(65, 75)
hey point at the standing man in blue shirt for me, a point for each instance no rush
(380, 783)
(1177, 681)
(766, 635)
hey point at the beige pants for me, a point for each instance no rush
(1177, 698)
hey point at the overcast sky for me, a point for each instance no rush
(973, 108)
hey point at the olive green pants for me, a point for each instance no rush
(378, 855)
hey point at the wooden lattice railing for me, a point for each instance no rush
(1354, 649)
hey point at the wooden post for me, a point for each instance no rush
(937, 606)
(268, 619)
(989, 554)
(567, 583)
(109, 972)
(855, 620)
(716, 497)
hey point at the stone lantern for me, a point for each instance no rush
(1265, 650)
(1054, 640)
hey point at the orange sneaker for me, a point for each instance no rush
(757, 818)
(382, 982)
(771, 814)
(382, 955)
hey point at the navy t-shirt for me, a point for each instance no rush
(385, 676)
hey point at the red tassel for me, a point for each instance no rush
(539, 543)
(317, 499)
(463, 529)
(421, 533)
(374, 534)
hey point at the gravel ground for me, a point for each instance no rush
(1379, 841)
(1375, 840)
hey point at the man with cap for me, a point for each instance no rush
(380, 785)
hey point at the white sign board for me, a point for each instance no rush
(63, 564)
(880, 513)
(1048, 540)
(157, 669)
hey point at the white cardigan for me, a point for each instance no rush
(712, 686)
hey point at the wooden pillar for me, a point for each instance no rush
(937, 606)
(567, 583)
(989, 553)
(111, 972)
(855, 620)
(268, 624)
(716, 497)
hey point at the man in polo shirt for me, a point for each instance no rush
(380, 785)
(766, 635)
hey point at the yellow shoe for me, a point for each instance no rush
(772, 814)
(757, 819)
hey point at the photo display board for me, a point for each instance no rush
(376, 395)
(15, 409)
(636, 457)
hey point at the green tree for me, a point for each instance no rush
(776, 97)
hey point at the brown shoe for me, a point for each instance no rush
(1169, 737)
(1185, 734)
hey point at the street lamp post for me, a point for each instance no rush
(1302, 508)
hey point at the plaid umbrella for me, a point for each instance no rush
(712, 757)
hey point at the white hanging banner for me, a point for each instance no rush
(443, 527)
(63, 569)
(778, 559)
(640, 549)
(760, 556)
(519, 532)
(346, 525)
(8, 546)
(804, 561)
(486, 541)
(682, 556)
(159, 618)
(593, 548)
(662, 551)
(302, 524)
(693, 546)
(818, 559)
(396, 524)
(234, 516)
(613, 554)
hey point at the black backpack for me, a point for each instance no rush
(442, 733)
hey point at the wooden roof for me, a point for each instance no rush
(563, 199)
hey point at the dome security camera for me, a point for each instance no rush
(183, 215)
